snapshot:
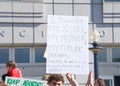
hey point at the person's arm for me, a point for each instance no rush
(90, 81)
(71, 79)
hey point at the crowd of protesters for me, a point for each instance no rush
(52, 79)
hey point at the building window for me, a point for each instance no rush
(22, 55)
(102, 56)
(115, 54)
(4, 55)
(109, 80)
(39, 55)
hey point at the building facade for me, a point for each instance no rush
(23, 34)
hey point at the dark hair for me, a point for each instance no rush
(11, 64)
(101, 82)
(4, 76)
(56, 77)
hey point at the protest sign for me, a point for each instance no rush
(67, 44)
(11, 81)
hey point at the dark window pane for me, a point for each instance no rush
(115, 54)
(39, 55)
(22, 55)
(108, 82)
(102, 56)
(116, 80)
(4, 55)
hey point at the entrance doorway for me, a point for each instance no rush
(116, 80)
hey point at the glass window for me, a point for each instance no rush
(115, 54)
(22, 55)
(4, 55)
(39, 55)
(108, 82)
(102, 56)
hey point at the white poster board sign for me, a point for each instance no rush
(10, 81)
(67, 44)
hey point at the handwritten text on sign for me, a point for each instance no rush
(67, 44)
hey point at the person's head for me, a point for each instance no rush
(99, 82)
(55, 80)
(10, 65)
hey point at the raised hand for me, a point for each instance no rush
(71, 79)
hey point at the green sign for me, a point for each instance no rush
(24, 82)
